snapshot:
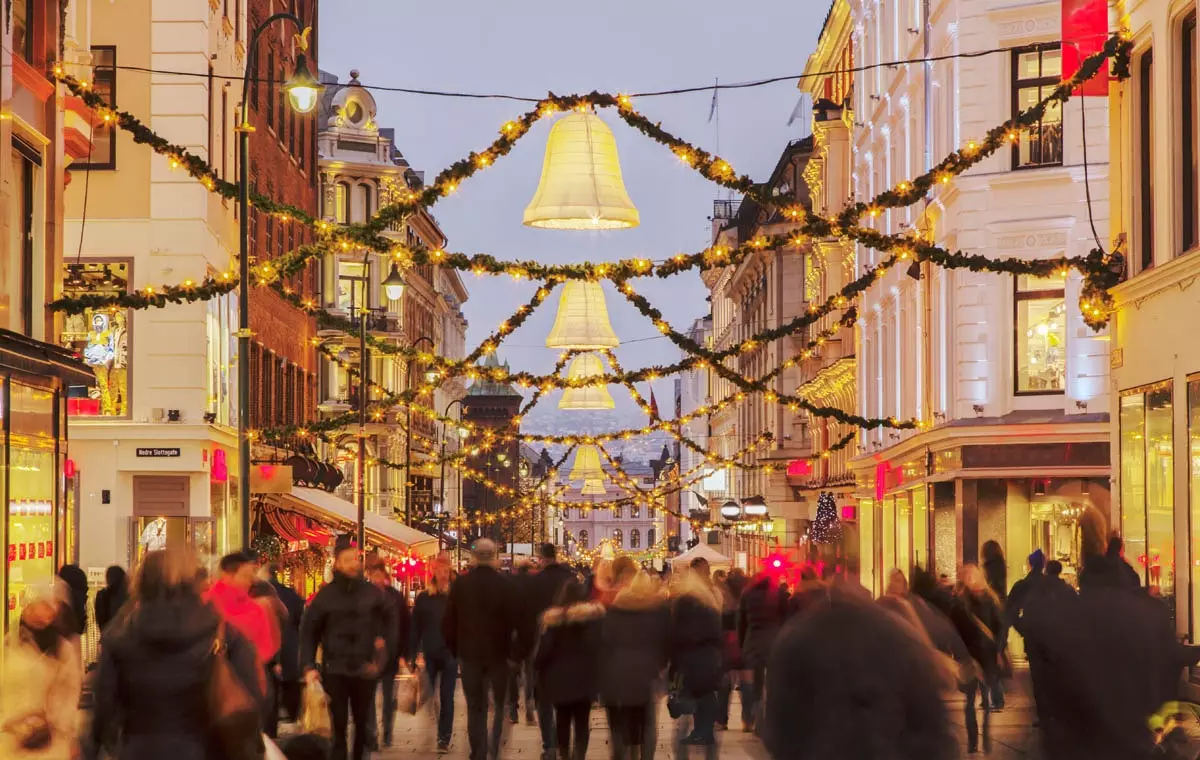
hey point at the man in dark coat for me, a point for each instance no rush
(635, 648)
(697, 649)
(111, 598)
(544, 589)
(77, 584)
(350, 621)
(761, 613)
(289, 651)
(482, 617)
(399, 616)
(521, 672)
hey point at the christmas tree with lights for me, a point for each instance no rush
(827, 527)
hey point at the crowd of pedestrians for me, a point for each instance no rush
(193, 670)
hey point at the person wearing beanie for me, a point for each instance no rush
(1020, 590)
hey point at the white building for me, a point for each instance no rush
(1011, 382)
(1155, 364)
(695, 393)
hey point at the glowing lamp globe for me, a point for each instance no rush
(581, 186)
(731, 510)
(754, 507)
(303, 90)
(582, 320)
(582, 367)
(592, 488)
(586, 465)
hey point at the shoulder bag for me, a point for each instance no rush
(234, 715)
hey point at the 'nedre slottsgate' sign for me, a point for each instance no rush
(156, 453)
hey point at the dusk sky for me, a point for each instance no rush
(533, 46)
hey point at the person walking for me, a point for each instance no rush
(544, 589)
(77, 591)
(230, 595)
(480, 623)
(263, 594)
(696, 648)
(156, 662)
(567, 657)
(289, 675)
(41, 682)
(979, 624)
(521, 673)
(731, 587)
(111, 598)
(429, 648)
(396, 656)
(635, 649)
(350, 622)
(761, 613)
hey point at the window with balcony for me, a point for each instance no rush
(1189, 233)
(1036, 72)
(352, 277)
(103, 153)
(1040, 335)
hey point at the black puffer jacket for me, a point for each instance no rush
(696, 645)
(568, 653)
(151, 686)
(427, 614)
(761, 613)
(344, 620)
(635, 640)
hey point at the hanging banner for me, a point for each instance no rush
(1084, 31)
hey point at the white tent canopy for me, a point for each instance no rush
(716, 560)
(378, 527)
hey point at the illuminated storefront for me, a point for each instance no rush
(40, 521)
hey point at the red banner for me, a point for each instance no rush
(1084, 31)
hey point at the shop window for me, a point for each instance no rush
(103, 153)
(31, 472)
(650, 538)
(1193, 401)
(1036, 72)
(1040, 335)
(583, 540)
(1147, 486)
(352, 286)
(101, 337)
(635, 539)
(221, 324)
(1189, 232)
(618, 539)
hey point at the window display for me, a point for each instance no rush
(31, 498)
(1193, 401)
(1041, 335)
(101, 337)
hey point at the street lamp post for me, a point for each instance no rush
(408, 481)
(303, 91)
(462, 434)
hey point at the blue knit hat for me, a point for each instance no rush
(1037, 560)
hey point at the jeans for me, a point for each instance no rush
(387, 684)
(349, 694)
(478, 679)
(444, 671)
(752, 696)
(984, 689)
(705, 718)
(521, 672)
(627, 726)
(566, 715)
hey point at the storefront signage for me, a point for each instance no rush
(156, 453)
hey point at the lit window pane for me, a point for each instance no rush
(1133, 475)
(1160, 496)
(1028, 66)
(101, 337)
(1028, 283)
(1041, 345)
(1052, 63)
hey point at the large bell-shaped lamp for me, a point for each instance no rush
(586, 465)
(581, 186)
(582, 367)
(582, 320)
(592, 488)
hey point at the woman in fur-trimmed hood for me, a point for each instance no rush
(635, 639)
(566, 664)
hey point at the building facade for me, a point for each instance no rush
(42, 135)
(491, 406)
(695, 395)
(362, 169)
(1155, 428)
(627, 528)
(1009, 383)
(157, 443)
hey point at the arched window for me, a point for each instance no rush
(583, 539)
(650, 538)
(635, 539)
(367, 199)
(618, 539)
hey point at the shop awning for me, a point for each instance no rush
(716, 560)
(25, 354)
(335, 510)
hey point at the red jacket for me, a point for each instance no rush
(247, 616)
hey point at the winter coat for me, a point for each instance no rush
(151, 687)
(847, 679)
(249, 618)
(1109, 570)
(35, 683)
(544, 588)
(977, 620)
(111, 598)
(937, 626)
(289, 652)
(77, 586)
(761, 613)
(568, 653)
(635, 641)
(428, 612)
(1015, 606)
(344, 620)
(996, 573)
(696, 644)
(482, 616)
(401, 619)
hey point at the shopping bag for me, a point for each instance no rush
(410, 692)
(314, 711)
